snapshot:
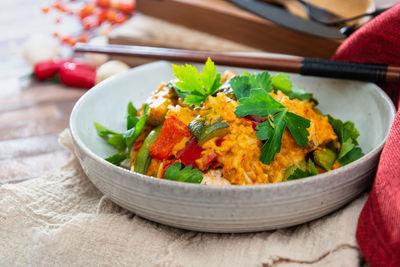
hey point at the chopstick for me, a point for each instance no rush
(371, 72)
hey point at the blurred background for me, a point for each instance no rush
(36, 40)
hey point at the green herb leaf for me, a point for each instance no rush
(259, 103)
(274, 143)
(209, 77)
(189, 80)
(131, 135)
(195, 99)
(178, 91)
(301, 173)
(351, 156)
(347, 134)
(195, 88)
(282, 82)
(265, 130)
(349, 128)
(118, 158)
(346, 147)
(243, 83)
(187, 174)
(300, 94)
(298, 128)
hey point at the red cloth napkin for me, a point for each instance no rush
(378, 232)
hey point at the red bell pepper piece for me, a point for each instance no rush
(209, 160)
(171, 134)
(219, 141)
(190, 153)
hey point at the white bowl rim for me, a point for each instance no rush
(218, 188)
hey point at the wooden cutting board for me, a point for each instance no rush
(226, 21)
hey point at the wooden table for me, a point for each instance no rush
(31, 114)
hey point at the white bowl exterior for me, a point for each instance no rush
(229, 208)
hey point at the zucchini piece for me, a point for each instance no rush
(325, 158)
(204, 131)
(290, 170)
(335, 146)
(143, 157)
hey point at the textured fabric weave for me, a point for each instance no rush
(378, 232)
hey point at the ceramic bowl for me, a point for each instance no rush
(229, 208)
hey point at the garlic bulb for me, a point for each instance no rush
(40, 47)
(109, 69)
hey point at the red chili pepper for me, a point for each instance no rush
(72, 72)
(190, 153)
(172, 132)
(46, 69)
(76, 74)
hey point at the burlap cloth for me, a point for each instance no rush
(61, 219)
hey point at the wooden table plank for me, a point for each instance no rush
(32, 114)
(38, 94)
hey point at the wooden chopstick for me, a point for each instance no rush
(379, 73)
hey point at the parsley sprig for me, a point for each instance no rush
(347, 134)
(187, 174)
(195, 88)
(254, 99)
(283, 83)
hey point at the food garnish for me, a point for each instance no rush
(347, 134)
(283, 83)
(195, 88)
(250, 128)
(257, 101)
(187, 174)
